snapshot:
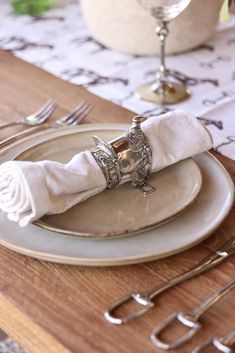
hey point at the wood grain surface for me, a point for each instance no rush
(50, 308)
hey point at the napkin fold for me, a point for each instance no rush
(30, 190)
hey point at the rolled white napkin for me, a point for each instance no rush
(29, 190)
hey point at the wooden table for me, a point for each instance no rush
(50, 308)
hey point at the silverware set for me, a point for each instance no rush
(145, 300)
(38, 121)
(189, 320)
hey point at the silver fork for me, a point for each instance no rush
(37, 118)
(189, 320)
(73, 118)
(145, 300)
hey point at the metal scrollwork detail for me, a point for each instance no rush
(135, 136)
(109, 167)
(140, 147)
(129, 154)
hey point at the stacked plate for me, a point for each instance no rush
(121, 226)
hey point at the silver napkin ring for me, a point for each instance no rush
(108, 164)
(129, 154)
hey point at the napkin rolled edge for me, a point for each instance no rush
(175, 136)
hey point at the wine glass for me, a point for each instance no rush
(163, 91)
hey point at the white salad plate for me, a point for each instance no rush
(188, 228)
(123, 211)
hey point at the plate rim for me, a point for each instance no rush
(122, 261)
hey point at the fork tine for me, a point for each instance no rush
(44, 116)
(48, 103)
(47, 109)
(67, 117)
(79, 117)
(77, 113)
(39, 116)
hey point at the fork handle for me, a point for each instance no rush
(196, 313)
(206, 264)
(145, 299)
(12, 123)
(21, 135)
(221, 254)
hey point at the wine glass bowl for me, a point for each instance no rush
(163, 91)
(165, 10)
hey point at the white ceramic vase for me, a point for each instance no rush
(123, 25)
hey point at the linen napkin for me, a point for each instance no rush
(29, 190)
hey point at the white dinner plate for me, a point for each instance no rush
(128, 211)
(186, 230)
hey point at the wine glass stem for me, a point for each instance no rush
(162, 32)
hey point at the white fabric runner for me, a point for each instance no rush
(60, 43)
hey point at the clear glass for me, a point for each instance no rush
(165, 10)
(31, 7)
(163, 91)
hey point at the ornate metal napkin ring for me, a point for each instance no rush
(129, 154)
